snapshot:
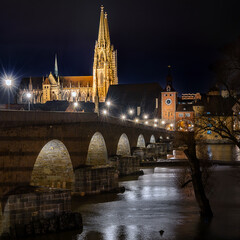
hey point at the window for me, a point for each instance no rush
(208, 113)
(209, 132)
(170, 95)
(180, 114)
(187, 114)
(165, 95)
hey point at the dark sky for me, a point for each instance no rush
(149, 35)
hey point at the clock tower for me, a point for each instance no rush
(169, 100)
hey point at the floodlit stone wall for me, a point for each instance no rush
(97, 151)
(123, 147)
(95, 180)
(53, 167)
(141, 141)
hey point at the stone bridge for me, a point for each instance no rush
(50, 146)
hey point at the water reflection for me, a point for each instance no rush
(223, 152)
(153, 203)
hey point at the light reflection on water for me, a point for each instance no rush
(155, 203)
(223, 152)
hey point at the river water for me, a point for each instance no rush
(154, 202)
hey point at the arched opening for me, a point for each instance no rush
(53, 167)
(152, 139)
(141, 141)
(123, 147)
(97, 151)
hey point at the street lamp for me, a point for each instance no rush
(163, 122)
(105, 112)
(130, 111)
(145, 116)
(123, 116)
(108, 103)
(29, 95)
(75, 104)
(8, 83)
(136, 120)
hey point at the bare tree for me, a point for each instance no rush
(196, 176)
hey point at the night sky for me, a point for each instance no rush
(149, 35)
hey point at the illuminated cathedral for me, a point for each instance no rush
(77, 88)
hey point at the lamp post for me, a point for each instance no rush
(29, 95)
(8, 83)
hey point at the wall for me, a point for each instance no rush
(95, 180)
(36, 204)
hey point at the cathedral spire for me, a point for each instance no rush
(107, 35)
(101, 32)
(56, 66)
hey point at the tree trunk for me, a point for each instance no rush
(202, 200)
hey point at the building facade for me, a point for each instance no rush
(76, 88)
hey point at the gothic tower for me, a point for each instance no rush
(105, 60)
(169, 101)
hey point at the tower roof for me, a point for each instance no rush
(169, 80)
(56, 66)
(101, 31)
(107, 34)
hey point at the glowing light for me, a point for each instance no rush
(163, 122)
(145, 116)
(136, 120)
(108, 103)
(167, 137)
(123, 116)
(75, 104)
(146, 122)
(155, 120)
(29, 95)
(130, 111)
(8, 82)
(74, 94)
(155, 125)
(105, 112)
(171, 125)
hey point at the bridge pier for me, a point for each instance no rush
(37, 211)
(94, 180)
(126, 165)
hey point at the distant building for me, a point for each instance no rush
(191, 96)
(76, 88)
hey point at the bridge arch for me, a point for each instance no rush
(97, 150)
(152, 139)
(53, 167)
(141, 141)
(123, 147)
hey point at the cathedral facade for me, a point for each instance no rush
(76, 88)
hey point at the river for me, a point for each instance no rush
(154, 202)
